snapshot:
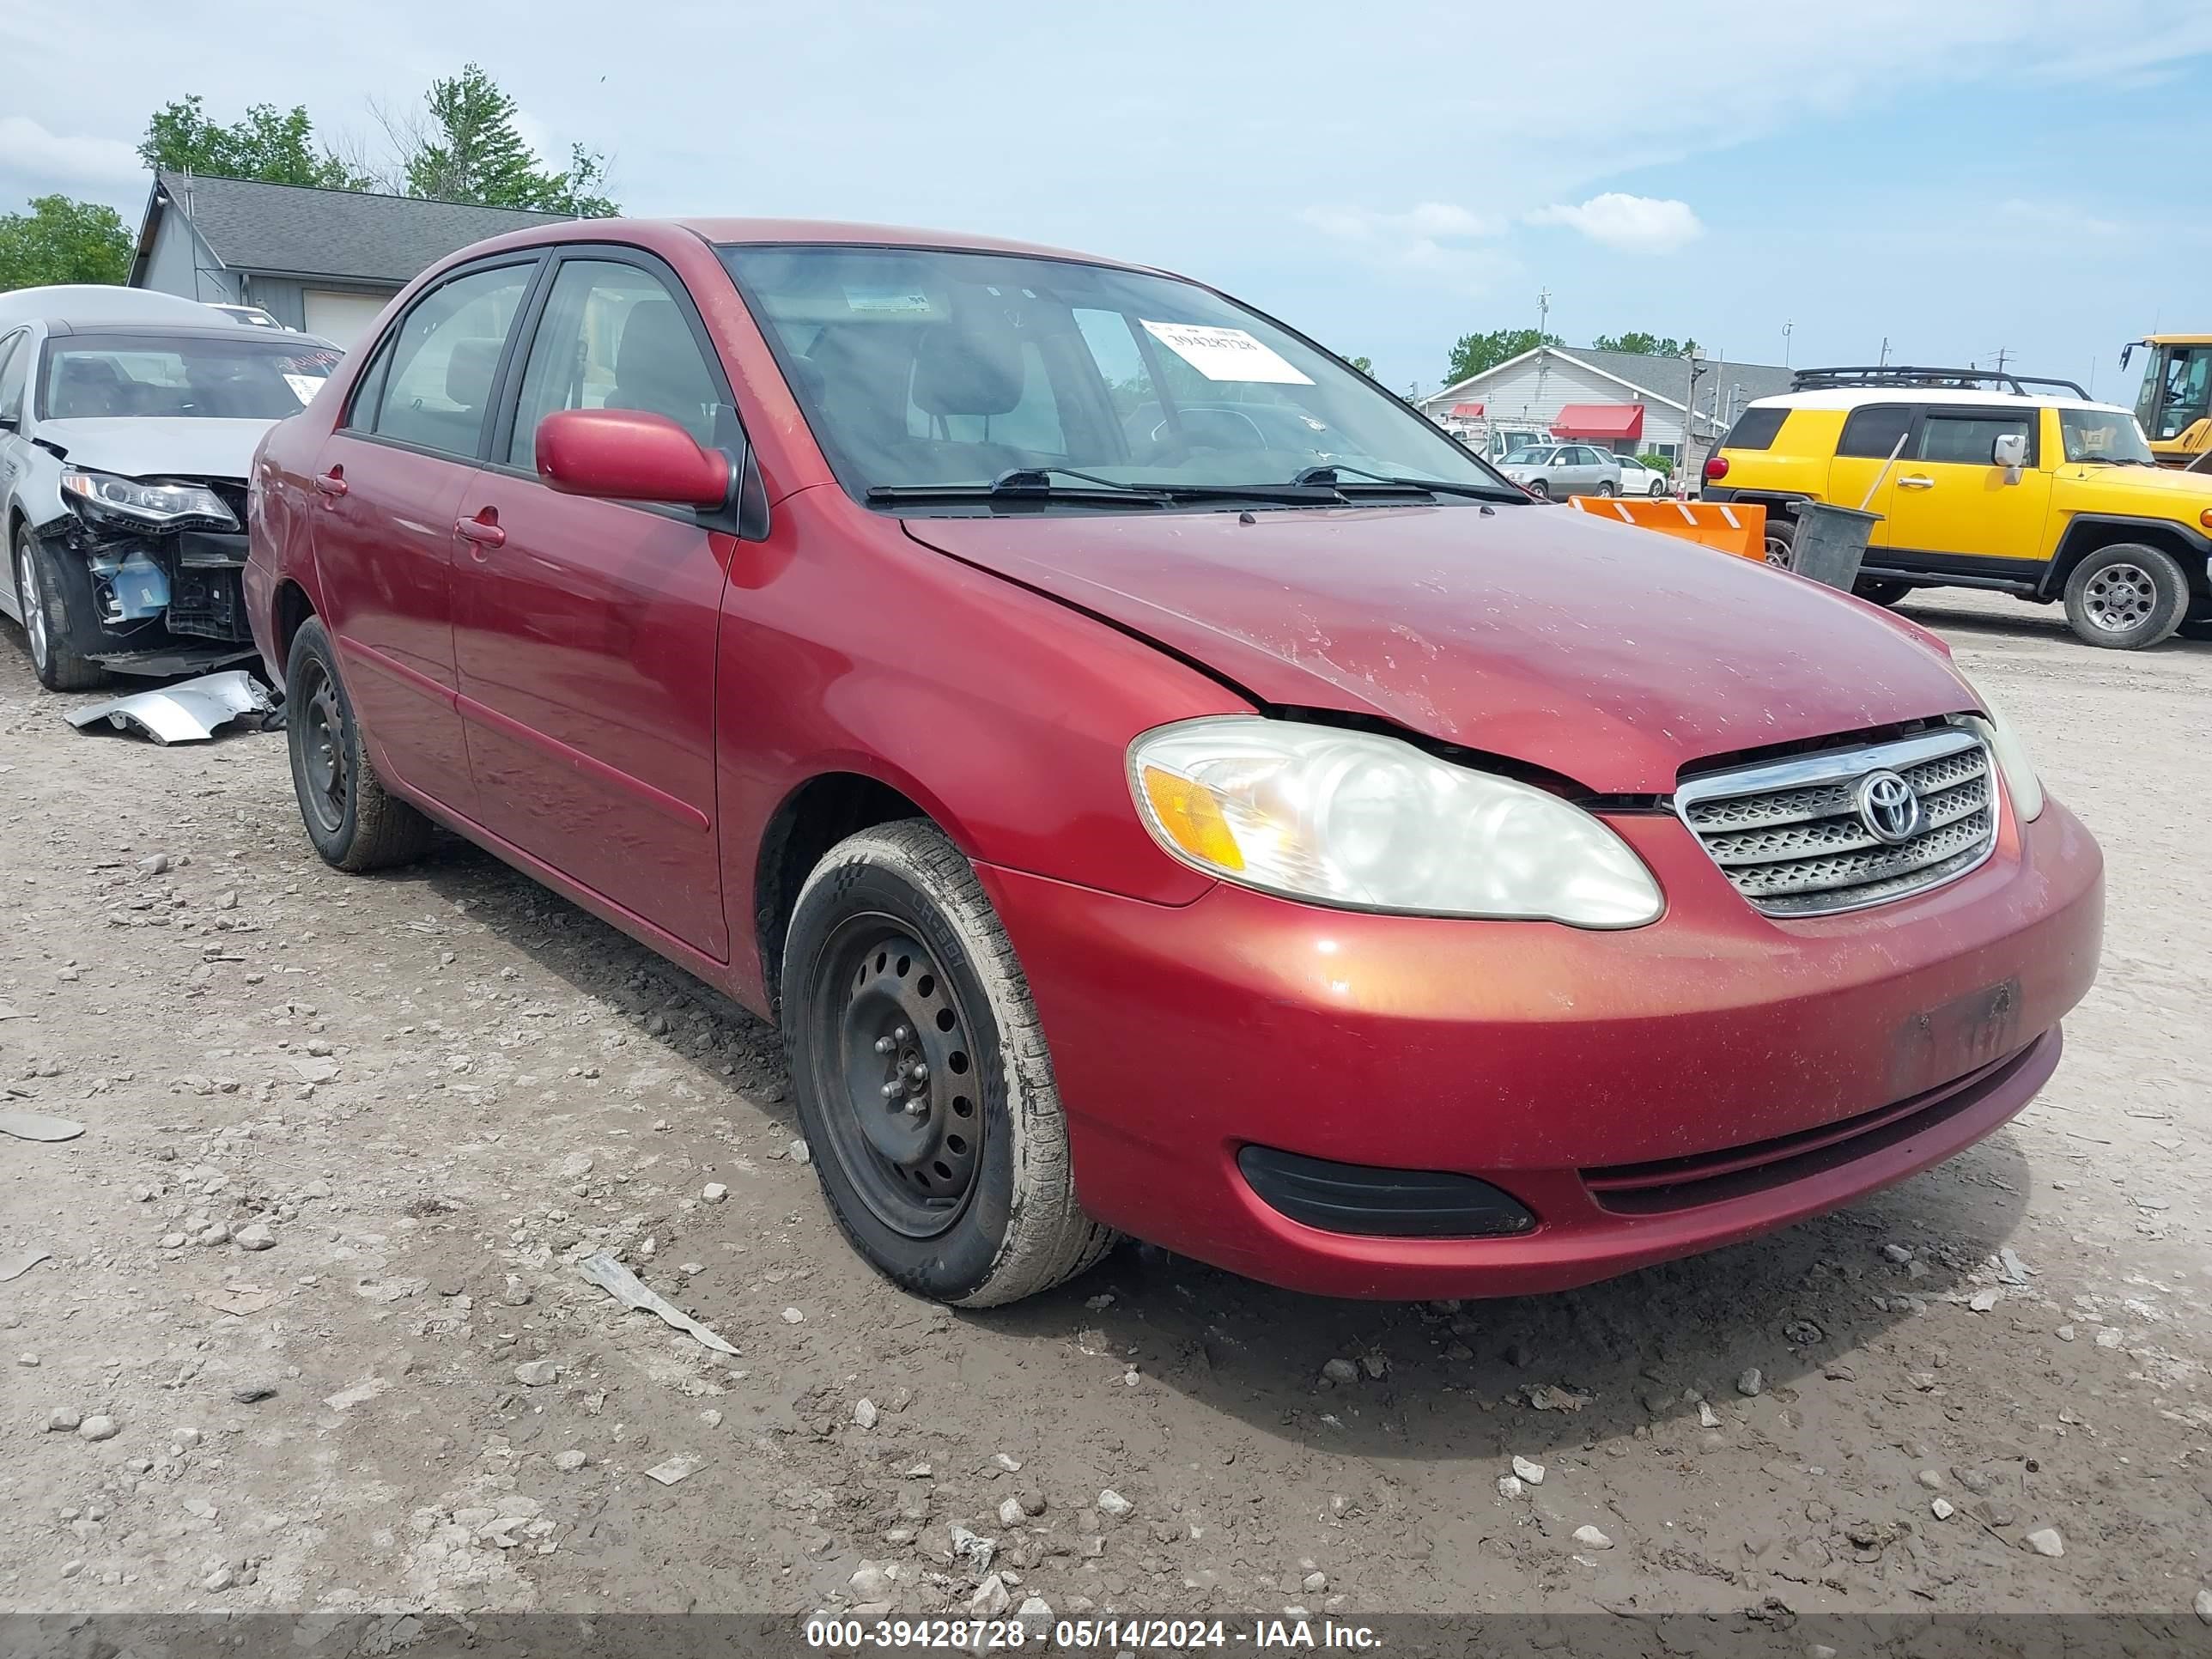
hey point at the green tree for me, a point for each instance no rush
(275, 147)
(471, 151)
(1364, 365)
(61, 240)
(1472, 353)
(1640, 345)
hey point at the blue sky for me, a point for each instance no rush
(1958, 177)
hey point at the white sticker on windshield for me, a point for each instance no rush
(901, 301)
(304, 386)
(1226, 354)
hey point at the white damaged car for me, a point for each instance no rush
(128, 425)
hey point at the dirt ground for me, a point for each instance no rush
(437, 1090)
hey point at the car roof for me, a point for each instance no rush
(1855, 397)
(653, 233)
(161, 327)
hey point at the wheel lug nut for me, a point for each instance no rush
(885, 1045)
(917, 1108)
(918, 1071)
(901, 1033)
(893, 1090)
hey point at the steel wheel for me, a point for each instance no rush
(1779, 551)
(34, 607)
(330, 779)
(891, 1048)
(2119, 597)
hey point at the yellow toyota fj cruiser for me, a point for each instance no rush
(2003, 482)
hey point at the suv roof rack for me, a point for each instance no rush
(1901, 375)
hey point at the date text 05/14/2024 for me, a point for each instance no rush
(1111, 1634)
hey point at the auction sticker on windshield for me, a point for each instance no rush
(1226, 354)
(304, 388)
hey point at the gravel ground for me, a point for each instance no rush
(435, 1091)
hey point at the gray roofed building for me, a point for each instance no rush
(322, 260)
(1628, 402)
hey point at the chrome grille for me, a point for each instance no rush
(1790, 836)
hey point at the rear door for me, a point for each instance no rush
(1857, 477)
(389, 483)
(1952, 508)
(586, 630)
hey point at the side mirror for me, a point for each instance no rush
(2009, 451)
(628, 455)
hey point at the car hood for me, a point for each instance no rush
(150, 446)
(2160, 489)
(1610, 655)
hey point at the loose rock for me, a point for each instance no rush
(1591, 1539)
(537, 1373)
(100, 1427)
(865, 1413)
(1750, 1383)
(713, 1192)
(2045, 1540)
(1532, 1472)
(1340, 1372)
(63, 1419)
(253, 1236)
(1112, 1502)
(570, 1460)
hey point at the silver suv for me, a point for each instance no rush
(1559, 471)
(128, 423)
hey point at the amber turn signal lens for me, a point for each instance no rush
(1192, 819)
(2205, 518)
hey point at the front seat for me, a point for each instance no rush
(659, 369)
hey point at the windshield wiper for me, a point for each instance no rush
(1035, 484)
(1327, 474)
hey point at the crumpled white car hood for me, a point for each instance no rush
(158, 446)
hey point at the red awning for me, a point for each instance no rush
(1600, 421)
(1467, 411)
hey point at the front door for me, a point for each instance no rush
(1952, 508)
(389, 483)
(586, 630)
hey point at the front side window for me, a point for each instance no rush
(100, 375)
(1525, 457)
(613, 336)
(931, 368)
(2103, 434)
(2184, 391)
(1970, 440)
(437, 386)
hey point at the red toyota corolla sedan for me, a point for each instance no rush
(1159, 782)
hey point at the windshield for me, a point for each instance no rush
(2103, 434)
(189, 375)
(924, 367)
(1528, 457)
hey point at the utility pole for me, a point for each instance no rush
(1788, 329)
(1543, 331)
(1543, 313)
(1884, 363)
(2004, 352)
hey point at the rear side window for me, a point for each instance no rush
(1874, 431)
(1970, 440)
(1755, 428)
(437, 385)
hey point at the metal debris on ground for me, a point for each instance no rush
(14, 1266)
(619, 1282)
(37, 1125)
(186, 712)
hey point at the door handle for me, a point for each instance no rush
(484, 531)
(1915, 481)
(332, 482)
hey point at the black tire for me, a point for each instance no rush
(355, 822)
(43, 596)
(1658, 488)
(1539, 488)
(1882, 590)
(959, 1186)
(1607, 486)
(1780, 541)
(2126, 597)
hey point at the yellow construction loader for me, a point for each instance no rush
(2175, 403)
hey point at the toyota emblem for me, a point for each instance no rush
(1888, 807)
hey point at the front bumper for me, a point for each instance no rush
(1592, 1075)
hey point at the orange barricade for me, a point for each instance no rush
(1732, 529)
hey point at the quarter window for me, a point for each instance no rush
(1757, 429)
(613, 336)
(437, 386)
(1873, 432)
(1969, 440)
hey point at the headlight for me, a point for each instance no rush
(1372, 823)
(160, 506)
(2012, 759)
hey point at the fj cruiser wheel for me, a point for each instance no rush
(43, 598)
(2126, 597)
(922, 1078)
(1876, 590)
(1780, 541)
(354, 823)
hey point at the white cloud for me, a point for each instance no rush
(1634, 224)
(30, 149)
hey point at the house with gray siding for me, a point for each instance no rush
(1617, 400)
(322, 260)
